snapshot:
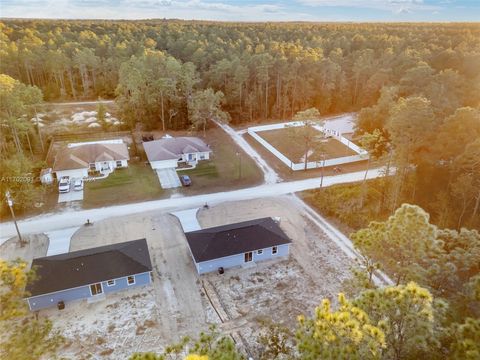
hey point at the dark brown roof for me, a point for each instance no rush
(173, 148)
(226, 240)
(79, 157)
(84, 267)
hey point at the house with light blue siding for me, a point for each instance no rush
(222, 247)
(89, 274)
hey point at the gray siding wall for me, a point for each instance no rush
(238, 260)
(83, 292)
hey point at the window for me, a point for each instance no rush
(92, 166)
(131, 280)
(119, 163)
(259, 252)
(248, 256)
(274, 250)
(110, 282)
(96, 289)
(202, 156)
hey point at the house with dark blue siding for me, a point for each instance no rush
(89, 274)
(226, 246)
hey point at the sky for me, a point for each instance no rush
(247, 10)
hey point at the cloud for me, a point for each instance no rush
(142, 9)
(396, 6)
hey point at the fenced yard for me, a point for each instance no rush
(338, 150)
(294, 149)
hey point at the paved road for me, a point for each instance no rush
(72, 218)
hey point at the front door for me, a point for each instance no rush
(96, 289)
(248, 256)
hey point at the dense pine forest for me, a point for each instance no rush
(265, 71)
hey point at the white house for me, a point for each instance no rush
(77, 159)
(169, 152)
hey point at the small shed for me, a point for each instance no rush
(237, 244)
(89, 274)
(46, 176)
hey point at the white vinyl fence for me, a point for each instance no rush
(361, 153)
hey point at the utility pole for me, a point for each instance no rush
(323, 165)
(239, 156)
(10, 205)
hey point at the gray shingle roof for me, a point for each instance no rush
(226, 240)
(80, 156)
(173, 148)
(84, 267)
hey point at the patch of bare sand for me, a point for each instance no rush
(36, 246)
(277, 290)
(175, 303)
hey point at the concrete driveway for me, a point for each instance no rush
(188, 219)
(168, 178)
(59, 240)
(72, 195)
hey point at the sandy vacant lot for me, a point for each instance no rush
(36, 246)
(182, 303)
(278, 290)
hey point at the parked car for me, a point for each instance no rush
(185, 180)
(64, 184)
(78, 185)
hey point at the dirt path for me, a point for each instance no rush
(270, 176)
(176, 291)
(176, 283)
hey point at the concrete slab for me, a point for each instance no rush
(188, 219)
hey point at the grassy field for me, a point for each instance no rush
(294, 149)
(136, 183)
(229, 167)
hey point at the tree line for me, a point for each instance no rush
(264, 70)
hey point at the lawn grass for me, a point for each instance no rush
(222, 171)
(294, 149)
(138, 182)
(206, 169)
